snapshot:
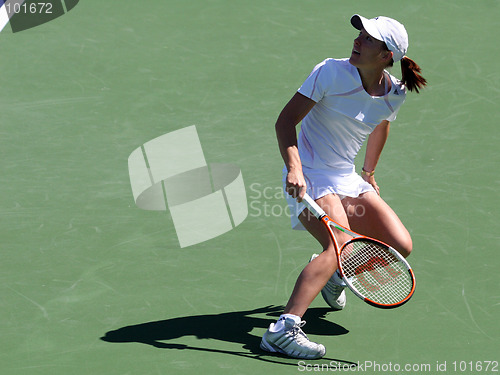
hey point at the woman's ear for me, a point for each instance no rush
(387, 55)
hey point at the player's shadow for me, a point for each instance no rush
(233, 327)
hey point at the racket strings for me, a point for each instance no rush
(375, 272)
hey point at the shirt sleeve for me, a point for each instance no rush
(393, 115)
(398, 98)
(317, 84)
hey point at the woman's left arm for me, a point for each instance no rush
(374, 147)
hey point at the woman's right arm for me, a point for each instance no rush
(293, 113)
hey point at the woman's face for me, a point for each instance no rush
(368, 52)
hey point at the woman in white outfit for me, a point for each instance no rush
(342, 103)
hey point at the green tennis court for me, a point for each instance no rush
(92, 284)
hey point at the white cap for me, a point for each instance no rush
(387, 30)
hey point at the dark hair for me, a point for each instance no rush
(410, 75)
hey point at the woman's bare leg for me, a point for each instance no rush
(316, 274)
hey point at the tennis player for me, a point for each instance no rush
(342, 103)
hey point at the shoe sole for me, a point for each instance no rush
(268, 347)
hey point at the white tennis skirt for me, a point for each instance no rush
(321, 182)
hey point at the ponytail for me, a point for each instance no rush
(410, 75)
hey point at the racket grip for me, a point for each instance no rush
(313, 207)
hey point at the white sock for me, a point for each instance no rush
(280, 324)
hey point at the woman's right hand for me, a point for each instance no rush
(295, 184)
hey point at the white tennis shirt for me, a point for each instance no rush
(334, 130)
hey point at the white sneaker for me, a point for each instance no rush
(292, 341)
(333, 292)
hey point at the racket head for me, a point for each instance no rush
(376, 272)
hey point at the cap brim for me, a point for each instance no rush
(360, 22)
(356, 21)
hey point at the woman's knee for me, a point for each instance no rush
(379, 221)
(404, 245)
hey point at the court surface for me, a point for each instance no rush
(91, 284)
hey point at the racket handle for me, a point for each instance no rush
(315, 209)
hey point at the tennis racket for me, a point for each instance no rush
(373, 271)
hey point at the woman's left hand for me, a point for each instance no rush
(371, 181)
